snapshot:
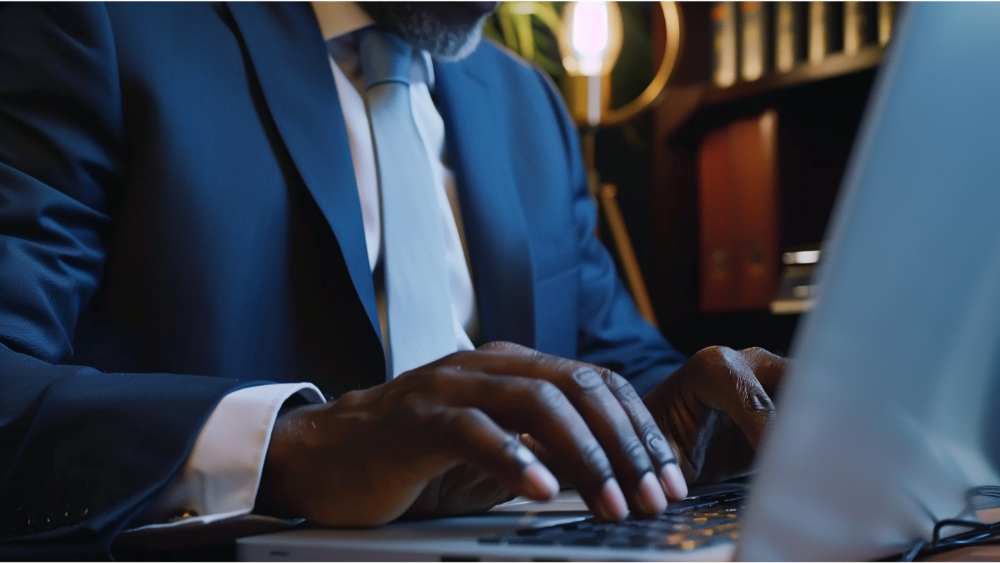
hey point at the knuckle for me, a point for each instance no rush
(713, 351)
(708, 358)
(619, 384)
(719, 355)
(434, 379)
(471, 416)
(546, 393)
(593, 456)
(657, 445)
(587, 378)
(560, 368)
(606, 374)
(433, 420)
(459, 358)
(758, 358)
(635, 451)
(411, 403)
(443, 418)
(651, 434)
(351, 398)
(451, 358)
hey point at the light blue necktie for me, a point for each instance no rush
(421, 328)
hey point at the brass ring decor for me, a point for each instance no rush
(657, 88)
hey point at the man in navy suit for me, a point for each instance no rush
(203, 316)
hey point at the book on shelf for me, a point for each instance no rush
(751, 39)
(860, 26)
(825, 30)
(755, 39)
(886, 12)
(738, 212)
(717, 222)
(790, 45)
(724, 43)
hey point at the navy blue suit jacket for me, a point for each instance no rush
(179, 218)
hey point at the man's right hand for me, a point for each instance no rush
(364, 459)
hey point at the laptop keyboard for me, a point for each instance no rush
(689, 524)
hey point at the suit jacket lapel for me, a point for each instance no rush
(495, 226)
(293, 68)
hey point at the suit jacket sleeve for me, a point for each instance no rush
(612, 333)
(81, 451)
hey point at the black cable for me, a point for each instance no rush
(980, 534)
(936, 537)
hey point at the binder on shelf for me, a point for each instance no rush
(755, 43)
(739, 214)
(753, 145)
(825, 30)
(724, 44)
(790, 45)
(860, 26)
(717, 222)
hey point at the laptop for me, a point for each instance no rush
(889, 420)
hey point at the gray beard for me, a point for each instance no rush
(424, 30)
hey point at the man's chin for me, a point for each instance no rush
(461, 50)
(449, 31)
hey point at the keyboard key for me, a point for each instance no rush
(686, 525)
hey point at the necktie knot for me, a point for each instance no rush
(385, 57)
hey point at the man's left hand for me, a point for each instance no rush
(714, 409)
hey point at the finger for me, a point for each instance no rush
(472, 436)
(736, 391)
(768, 367)
(539, 408)
(660, 453)
(585, 387)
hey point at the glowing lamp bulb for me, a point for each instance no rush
(589, 36)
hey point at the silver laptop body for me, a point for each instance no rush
(890, 415)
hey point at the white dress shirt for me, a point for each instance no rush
(220, 479)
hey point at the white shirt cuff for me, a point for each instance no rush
(221, 476)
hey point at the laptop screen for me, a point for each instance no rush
(888, 421)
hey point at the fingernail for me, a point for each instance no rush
(613, 501)
(673, 481)
(651, 498)
(540, 481)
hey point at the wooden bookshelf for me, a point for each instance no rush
(690, 102)
(819, 107)
(836, 65)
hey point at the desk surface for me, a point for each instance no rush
(984, 554)
(977, 553)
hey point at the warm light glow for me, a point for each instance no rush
(589, 36)
(801, 257)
